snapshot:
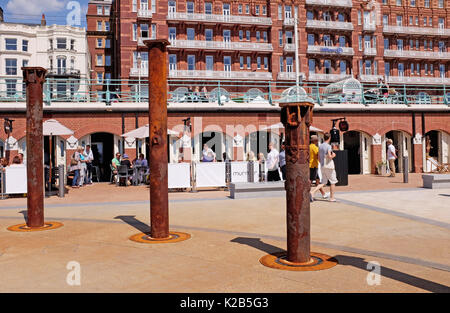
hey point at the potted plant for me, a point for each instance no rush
(382, 168)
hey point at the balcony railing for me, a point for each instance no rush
(327, 77)
(144, 13)
(289, 47)
(221, 45)
(370, 51)
(406, 79)
(370, 27)
(413, 54)
(236, 88)
(217, 18)
(290, 76)
(220, 74)
(63, 72)
(433, 31)
(288, 21)
(331, 3)
(136, 72)
(328, 50)
(329, 25)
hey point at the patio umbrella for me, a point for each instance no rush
(54, 128)
(280, 126)
(142, 132)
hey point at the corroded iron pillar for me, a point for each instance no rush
(297, 118)
(34, 78)
(157, 77)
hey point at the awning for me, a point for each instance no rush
(55, 128)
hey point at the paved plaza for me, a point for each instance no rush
(403, 227)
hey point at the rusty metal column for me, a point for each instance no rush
(159, 201)
(34, 78)
(297, 118)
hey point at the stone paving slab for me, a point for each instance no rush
(228, 238)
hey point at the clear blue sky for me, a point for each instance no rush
(56, 11)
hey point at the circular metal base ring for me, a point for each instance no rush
(173, 237)
(318, 262)
(24, 228)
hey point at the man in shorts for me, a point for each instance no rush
(326, 156)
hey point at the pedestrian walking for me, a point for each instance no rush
(75, 166)
(391, 156)
(273, 160)
(89, 157)
(326, 156)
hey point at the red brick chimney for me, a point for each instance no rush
(43, 21)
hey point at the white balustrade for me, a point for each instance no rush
(217, 18)
(329, 25)
(392, 29)
(220, 45)
(414, 54)
(335, 3)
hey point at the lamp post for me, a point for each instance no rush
(139, 62)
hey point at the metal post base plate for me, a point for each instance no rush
(173, 237)
(318, 262)
(24, 228)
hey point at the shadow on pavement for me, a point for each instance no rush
(25, 215)
(393, 274)
(134, 222)
(257, 244)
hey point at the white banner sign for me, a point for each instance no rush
(16, 180)
(240, 170)
(210, 174)
(179, 175)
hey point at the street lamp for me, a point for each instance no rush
(139, 62)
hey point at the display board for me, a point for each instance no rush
(16, 180)
(210, 174)
(179, 175)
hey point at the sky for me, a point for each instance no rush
(62, 12)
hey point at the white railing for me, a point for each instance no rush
(335, 3)
(391, 29)
(134, 71)
(217, 18)
(220, 74)
(289, 21)
(418, 80)
(289, 47)
(369, 27)
(327, 77)
(220, 45)
(289, 76)
(330, 50)
(370, 51)
(144, 13)
(329, 24)
(417, 54)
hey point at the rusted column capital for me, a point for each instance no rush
(34, 75)
(157, 43)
